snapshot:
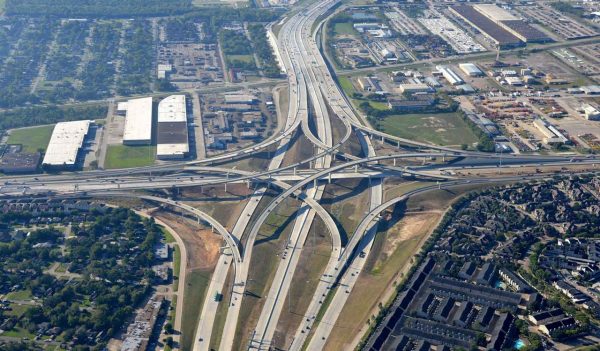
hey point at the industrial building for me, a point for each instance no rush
(412, 88)
(450, 75)
(240, 99)
(551, 134)
(138, 122)
(471, 69)
(498, 35)
(499, 25)
(512, 24)
(66, 141)
(590, 112)
(172, 130)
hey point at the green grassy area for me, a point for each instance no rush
(168, 237)
(18, 333)
(346, 85)
(439, 128)
(122, 156)
(61, 268)
(172, 313)
(21, 295)
(32, 139)
(344, 28)
(196, 282)
(17, 310)
(243, 58)
(176, 267)
(378, 105)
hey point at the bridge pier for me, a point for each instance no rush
(394, 162)
(329, 178)
(355, 168)
(295, 171)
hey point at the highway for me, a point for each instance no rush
(317, 106)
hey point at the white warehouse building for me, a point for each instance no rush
(172, 131)
(450, 75)
(66, 141)
(138, 122)
(471, 69)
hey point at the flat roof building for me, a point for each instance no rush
(240, 99)
(488, 27)
(138, 122)
(471, 69)
(172, 131)
(66, 141)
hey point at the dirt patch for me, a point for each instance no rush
(409, 227)
(201, 244)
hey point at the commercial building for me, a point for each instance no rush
(138, 122)
(471, 69)
(66, 141)
(450, 75)
(19, 162)
(172, 131)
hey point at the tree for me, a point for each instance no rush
(169, 328)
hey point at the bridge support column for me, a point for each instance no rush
(295, 168)
(394, 162)
(315, 183)
(355, 168)
(444, 158)
(398, 145)
(329, 178)
(382, 139)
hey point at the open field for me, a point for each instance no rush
(440, 128)
(122, 156)
(20, 295)
(346, 85)
(243, 58)
(223, 206)
(344, 28)
(32, 139)
(196, 286)
(347, 201)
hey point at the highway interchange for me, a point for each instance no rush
(316, 104)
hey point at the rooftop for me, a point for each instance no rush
(172, 109)
(67, 138)
(138, 120)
